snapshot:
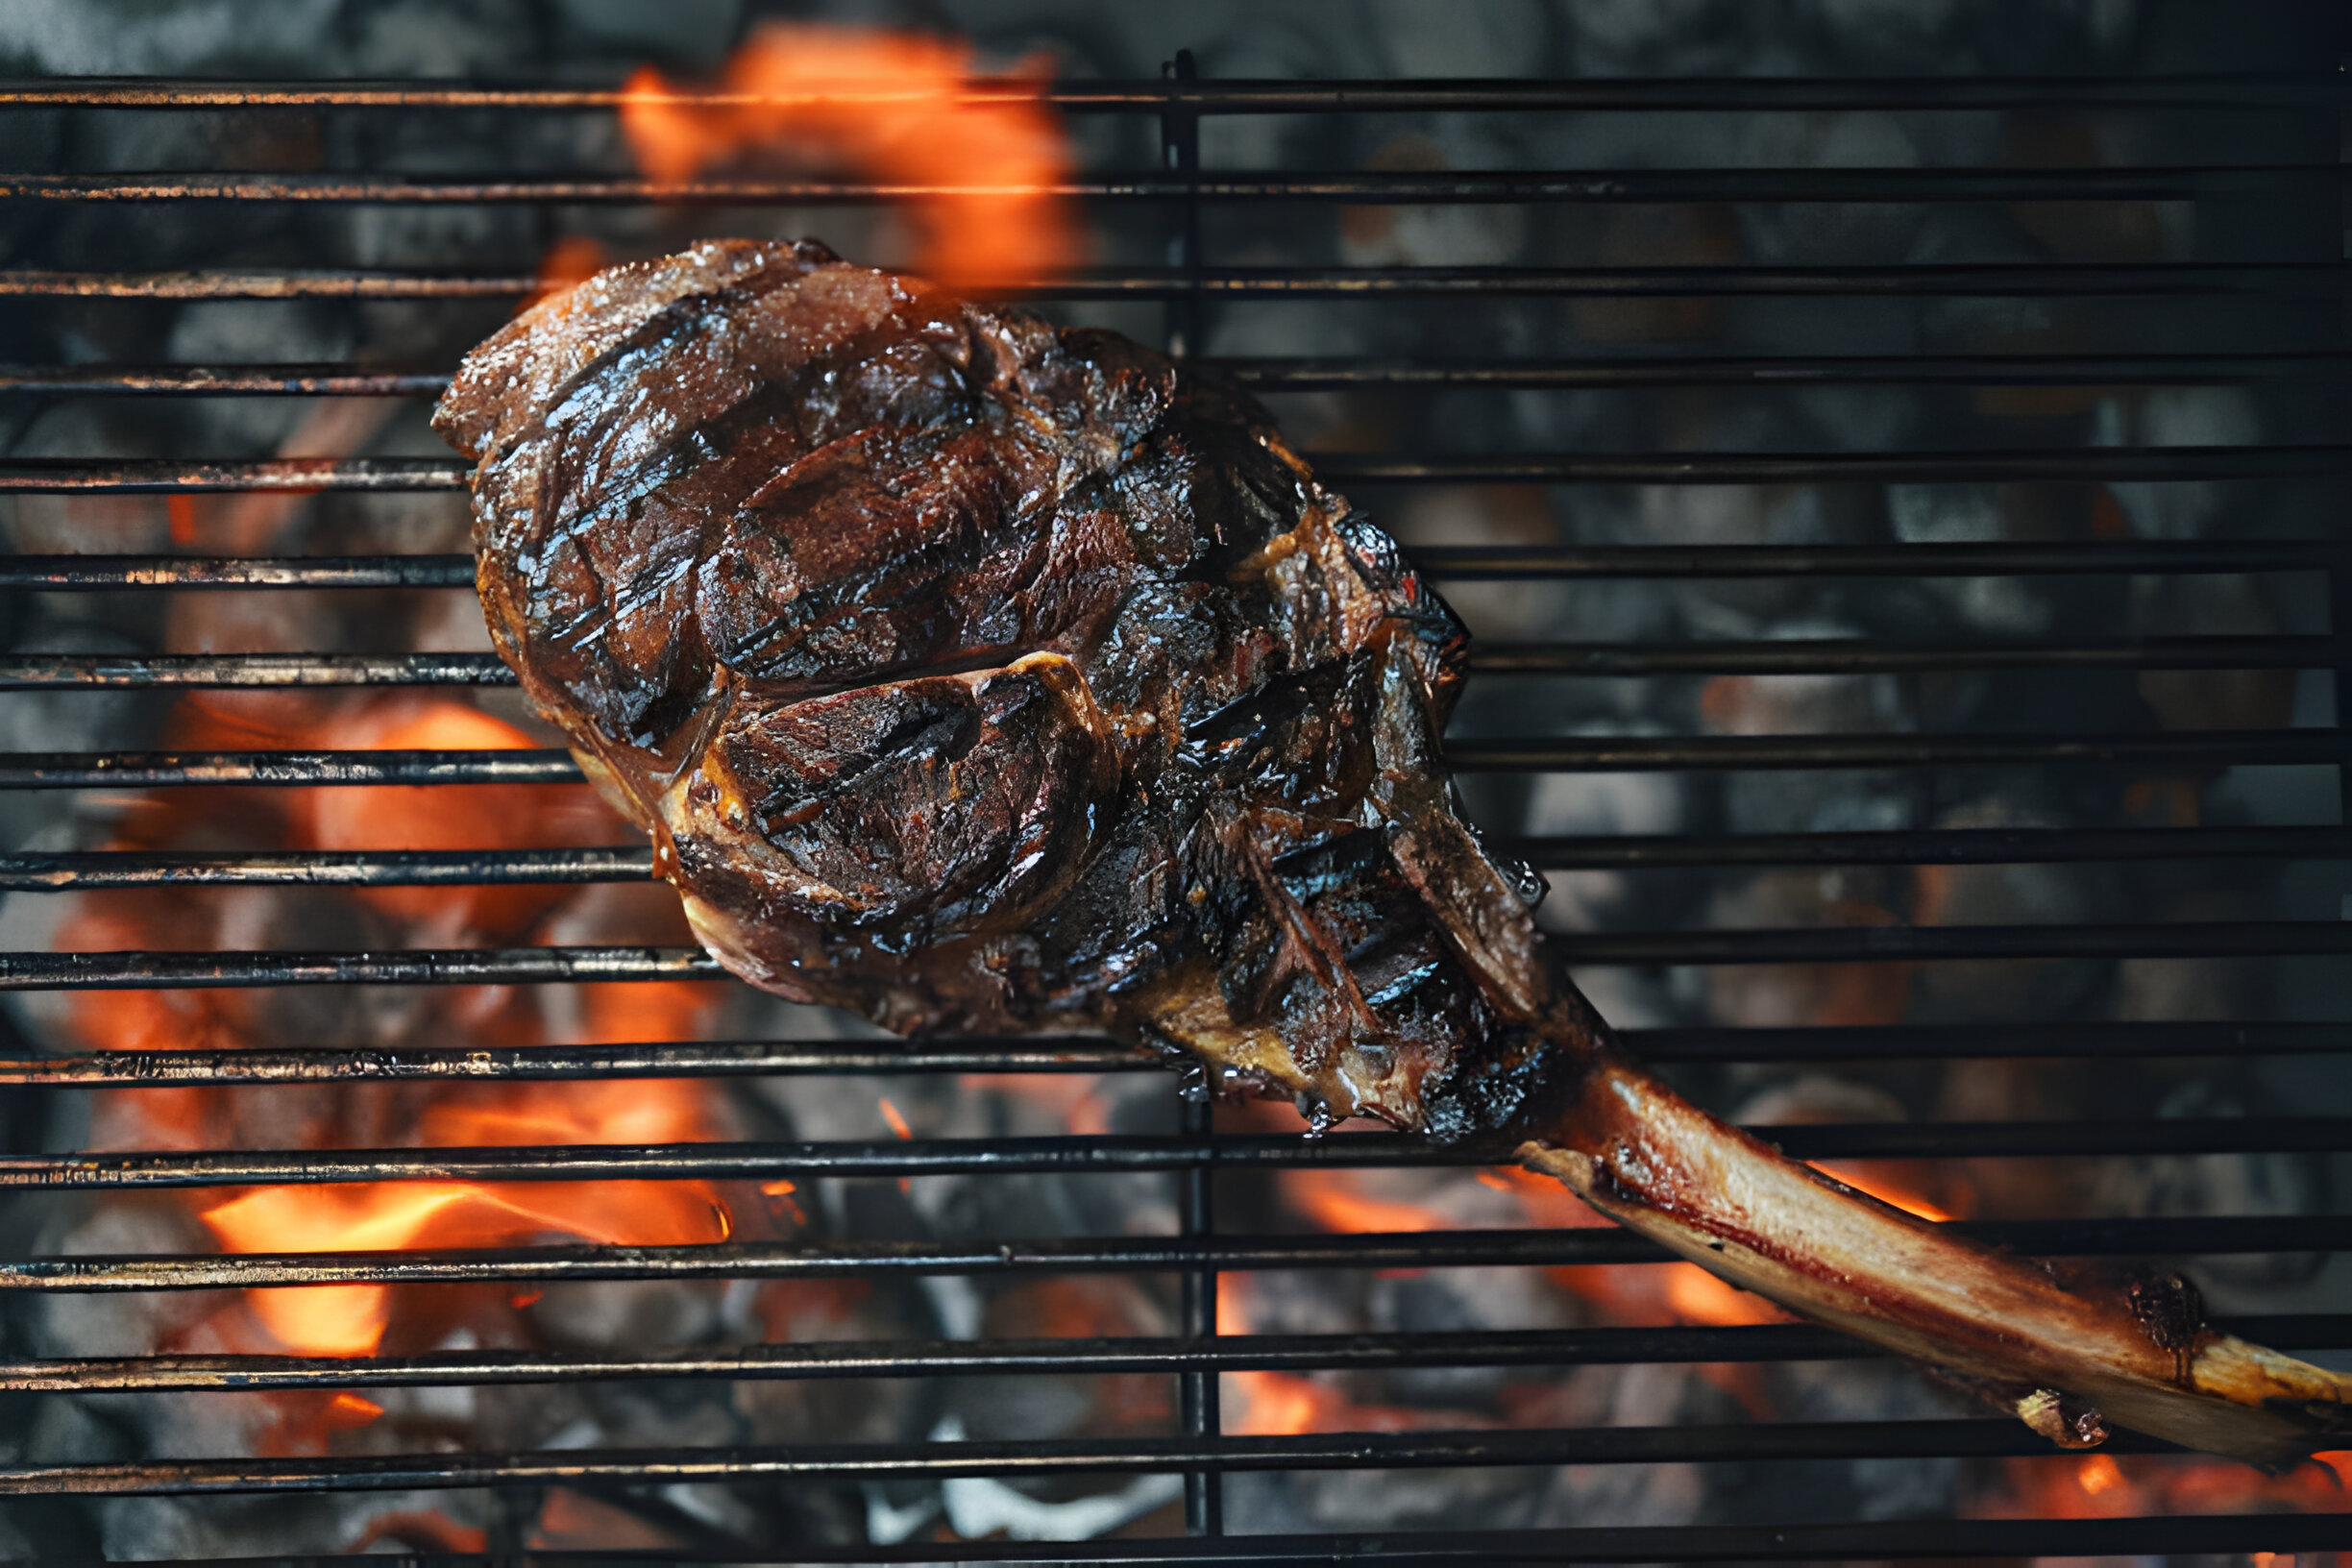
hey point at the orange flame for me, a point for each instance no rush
(354, 1320)
(1285, 1405)
(350, 1320)
(2117, 1486)
(892, 108)
(1886, 1190)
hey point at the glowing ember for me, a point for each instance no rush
(1334, 1202)
(2120, 1486)
(354, 1320)
(1888, 1190)
(350, 1320)
(893, 107)
(1282, 1404)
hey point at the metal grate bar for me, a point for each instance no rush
(1078, 1156)
(156, 770)
(805, 1360)
(1777, 372)
(1459, 563)
(73, 475)
(2089, 1039)
(1930, 847)
(2248, 90)
(2198, 1235)
(324, 868)
(2252, 90)
(549, 965)
(414, 966)
(2145, 184)
(319, 1065)
(1780, 1440)
(66, 672)
(659, 1058)
(1623, 753)
(1992, 279)
(332, 380)
(1508, 562)
(2232, 1534)
(887, 1359)
(71, 872)
(2090, 463)
(100, 574)
(137, 476)
(1860, 656)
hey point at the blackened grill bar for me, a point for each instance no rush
(1915, 280)
(1310, 375)
(136, 769)
(656, 1058)
(73, 870)
(68, 476)
(324, 1065)
(1084, 1155)
(2255, 92)
(134, 970)
(2143, 184)
(2200, 1236)
(70, 671)
(69, 574)
(2239, 1533)
(1789, 1440)
(1762, 1342)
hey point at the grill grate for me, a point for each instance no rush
(1188, 287)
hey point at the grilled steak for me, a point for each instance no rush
(973, 674)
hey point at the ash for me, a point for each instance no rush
(597, 40)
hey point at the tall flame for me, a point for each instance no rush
(895, 109)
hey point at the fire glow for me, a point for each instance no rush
(347, 1320)
(981, 172)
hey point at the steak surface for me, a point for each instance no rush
(978, 674)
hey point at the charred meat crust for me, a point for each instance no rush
(977, 674)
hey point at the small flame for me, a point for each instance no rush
(897, 1119)
(2117, 1486)
(573, 258)
(349, 1410)
(422, 1530)
(354, 1320)
(1284, 1405)
(350, 1320)
(2097, 1473)
(1332, 1200)
(1887, 1190)
(893, 107)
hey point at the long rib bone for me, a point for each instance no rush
(1736, 1207)
(2068, 1359)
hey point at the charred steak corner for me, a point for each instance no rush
(973, 674)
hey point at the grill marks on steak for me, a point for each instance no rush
(973, 672)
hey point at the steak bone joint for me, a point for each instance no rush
(978, 674)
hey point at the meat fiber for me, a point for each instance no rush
(978, 674)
